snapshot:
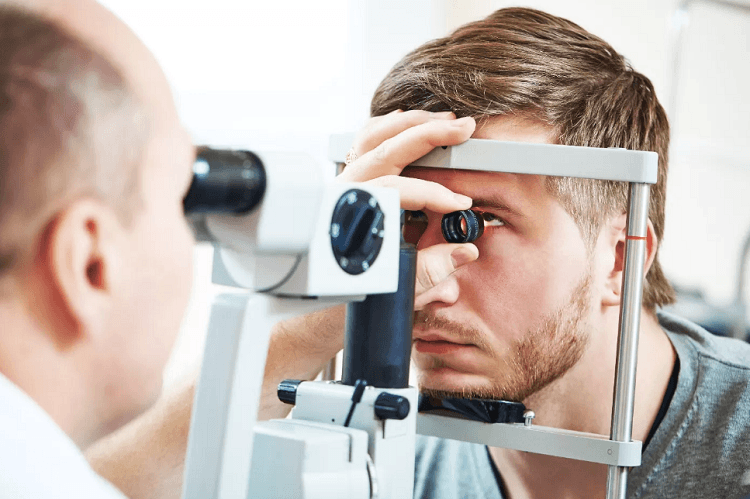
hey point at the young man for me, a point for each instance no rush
(535, 317)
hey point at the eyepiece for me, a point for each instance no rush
(225, 181)
(462, 226)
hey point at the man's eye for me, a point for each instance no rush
(491, 220)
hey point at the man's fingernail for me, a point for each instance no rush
(445, 114)
(462, 200)
(461, 256)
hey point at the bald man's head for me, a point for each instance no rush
(103, 31)
(95, 253)
(70, 126)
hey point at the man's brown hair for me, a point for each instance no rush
(69, 127)
(526, 62)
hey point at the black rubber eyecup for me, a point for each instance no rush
(462, 226)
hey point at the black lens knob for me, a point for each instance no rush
(356, 231)
(390, 406)
(462, 226)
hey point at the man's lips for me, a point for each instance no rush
(437, 344)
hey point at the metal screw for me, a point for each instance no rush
(528, 416)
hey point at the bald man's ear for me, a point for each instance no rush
(83, 245)
(615, 234)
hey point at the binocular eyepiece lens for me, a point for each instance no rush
(225, 181)
(462, 226)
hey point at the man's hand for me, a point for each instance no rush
(389, 143)
(434, 265)
(384, 147)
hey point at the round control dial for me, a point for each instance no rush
(356, 231)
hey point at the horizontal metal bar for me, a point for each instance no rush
(537, 439)
(527, 158)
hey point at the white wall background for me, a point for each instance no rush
(284, 75)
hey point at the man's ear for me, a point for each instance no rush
(81, 249)
(616, 234)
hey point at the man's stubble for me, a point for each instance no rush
(542, 356)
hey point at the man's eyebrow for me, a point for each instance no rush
(496, 204)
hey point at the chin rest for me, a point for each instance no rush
(484, 410)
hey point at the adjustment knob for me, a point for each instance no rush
(287, 390)
(390, 406)
(356, 231)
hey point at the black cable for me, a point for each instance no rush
(359, 389)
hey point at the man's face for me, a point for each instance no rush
(518, 316)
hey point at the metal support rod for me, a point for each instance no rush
(627, 341)
(537, 439)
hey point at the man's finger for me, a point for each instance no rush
(436, 263)
(391, 156)
(382, 128)
(417, 194)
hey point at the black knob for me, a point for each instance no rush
(356, 231)
(390, 406)
(287, 390)
(462, 226)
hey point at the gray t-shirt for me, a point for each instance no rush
(701, 449)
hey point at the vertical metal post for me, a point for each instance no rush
(630, 319)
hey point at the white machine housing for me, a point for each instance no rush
(320, 406)
(285, 244)
(287, 238)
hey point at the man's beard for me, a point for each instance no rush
(542, 356)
